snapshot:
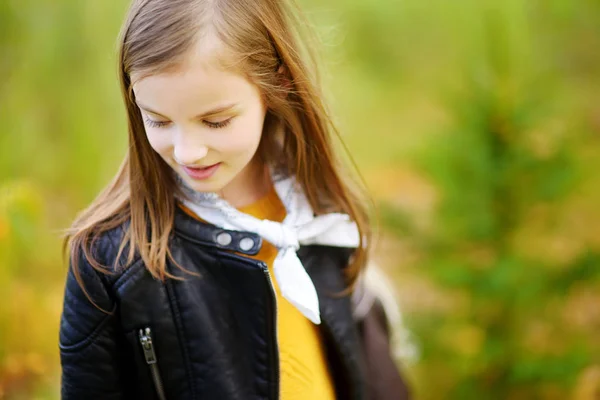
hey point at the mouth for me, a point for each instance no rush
(201, 173)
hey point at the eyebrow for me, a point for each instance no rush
(215, 111)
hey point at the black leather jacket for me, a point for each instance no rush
(206, 337)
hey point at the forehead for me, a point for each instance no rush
(204, 75)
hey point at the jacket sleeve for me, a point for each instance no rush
(373, 302)
(90, 361)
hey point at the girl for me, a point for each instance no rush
(218, 264)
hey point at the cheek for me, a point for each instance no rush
(243, 142)
(160, 142)
(245, 137)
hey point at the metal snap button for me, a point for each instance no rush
(246, 243)
(224, 238)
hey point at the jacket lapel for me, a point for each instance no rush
(325, 266)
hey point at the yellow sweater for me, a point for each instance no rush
(303, 366)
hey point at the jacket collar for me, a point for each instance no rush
(206, 234)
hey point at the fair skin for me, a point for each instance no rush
(200, 117)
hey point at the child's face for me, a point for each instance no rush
(205, 123)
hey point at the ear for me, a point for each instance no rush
(284, 78)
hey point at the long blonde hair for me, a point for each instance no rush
(263, 36)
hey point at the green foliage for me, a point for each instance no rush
(493, 171)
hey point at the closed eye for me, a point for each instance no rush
(217, 125)
(214, 125)
(156, 124)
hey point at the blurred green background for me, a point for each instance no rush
(476, 124)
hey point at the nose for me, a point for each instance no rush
(188, 148)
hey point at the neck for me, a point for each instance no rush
(251, 184)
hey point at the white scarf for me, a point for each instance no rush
(300, 226)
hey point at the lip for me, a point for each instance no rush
(201, 173)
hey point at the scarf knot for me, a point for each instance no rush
(280, 235)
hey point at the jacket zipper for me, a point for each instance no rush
(274, 329)
(150, 356)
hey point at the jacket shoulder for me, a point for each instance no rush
(88, 297)
(105, 249)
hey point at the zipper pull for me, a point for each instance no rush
(146, 341)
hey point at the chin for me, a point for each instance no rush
(204, 186)
(209, 185)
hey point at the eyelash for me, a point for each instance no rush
(217, 125)
(214, 125)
